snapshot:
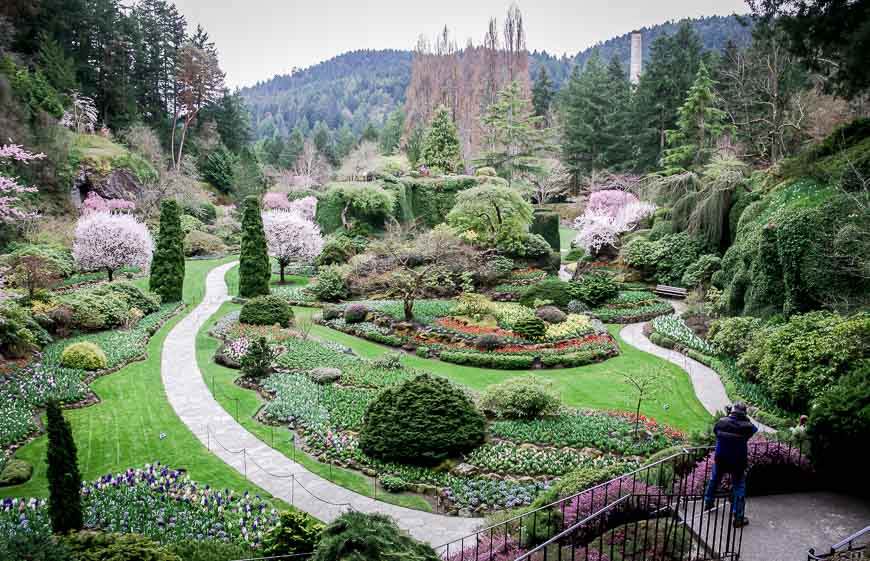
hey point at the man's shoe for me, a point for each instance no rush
(741, 522)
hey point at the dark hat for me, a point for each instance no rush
(739, 407)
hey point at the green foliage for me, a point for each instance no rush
(100, 546)
(339, 247)
(108, 305)
(14, 472)
(209, 550)
(732, 336)
(595, 289)
(257, 362)
(391, 134)
(429, 199)
(64, 480)
(521, 244)
(503, 361)
(267, 310)
(347, 203)
(355, 313)
(356, 536)
(521, 398)
(167, 268)
(296, 532)
(546, 224)
(422, 421)
(198, 243)
(490, 211)
(440, 149)
(33, 89)
(701, 271)
(530, 328)
(839, 421)
(19, 332)
(799, 360)
(34, 546)
(83, 356)
(550, 290)
(393, 484)
(255, 270)
(218, 169)
(330, 285)
(664, 260)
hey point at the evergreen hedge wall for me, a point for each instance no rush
(546, 223)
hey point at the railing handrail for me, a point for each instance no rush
(850, 539)
(573, 528)
(577, 494)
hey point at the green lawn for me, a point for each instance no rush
(566, 236)
(243, 405)
(125, 429)
(598, 386)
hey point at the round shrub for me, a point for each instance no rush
(330, 285)
(577, 307)
(702, 270)
(548, 291)
(15, 472)
(330, 312)
(421, 421)
(489, 342)
(521, 398)
(393, 484)
(296, 532)
(530, 328)
(202, 243)
(732, 336)
(550, 314)
(84, 356)
(266, 310)
(485, 171)
(359, 536)
(191, 224)
(355, 313)
(595, 289)
(838, 422)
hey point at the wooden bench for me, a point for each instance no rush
(670, 291)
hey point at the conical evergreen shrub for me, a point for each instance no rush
(64, 480)
(167, 269)
(255, 271)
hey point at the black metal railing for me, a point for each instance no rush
(852, 547)
(671, 488)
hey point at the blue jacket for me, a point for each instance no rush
(732, 434)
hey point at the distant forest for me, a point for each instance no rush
(363, 87)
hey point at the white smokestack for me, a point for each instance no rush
(636, 58)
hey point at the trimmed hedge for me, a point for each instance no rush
(488, 360)
(84, 356)
(266, 310)
(546, 224)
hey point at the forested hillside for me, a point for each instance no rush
(362, 87)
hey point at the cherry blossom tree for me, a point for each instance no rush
(275, 201)
(10, 189)
(305, 207)
(95, 203)
(105, 241)
(82, 114)
(601, 224)
(291, 237)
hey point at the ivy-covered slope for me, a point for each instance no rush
(804, 241)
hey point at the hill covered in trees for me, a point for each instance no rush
(362, 87)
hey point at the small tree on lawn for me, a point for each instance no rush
(255, 271)
(64, 480)
(33, 268)
(644, 384)
(441, 144)
(290, 237)
(167, 271)
(108, 242)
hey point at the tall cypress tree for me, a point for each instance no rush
(441, 143)
(167, 270)
(542, 94)
(255, 271)
(64, 480)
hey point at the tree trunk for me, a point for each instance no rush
(110, 271)
(637, 419)
(172, 140)
(408, 305)
(281, 264)
(344, 217)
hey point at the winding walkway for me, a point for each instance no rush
(705, 381)
(193, 403)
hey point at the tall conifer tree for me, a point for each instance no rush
(64, 480)
(255, 271)
(441, 143)
(167, 269)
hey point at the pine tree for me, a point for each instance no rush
(440, 149)
(57, 67)
(616, 140)
(64, 480)
(515, 140)
(699, 125)
(391, 134)
(167, 269)
(255, 270)
(586, 108)
(542, 94)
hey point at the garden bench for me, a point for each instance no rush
(670, 291)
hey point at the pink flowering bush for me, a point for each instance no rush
(275, 201)
(108, 242)
(591, 501)
(610, 200)
(306, 207)
(95, 203)
(485, 547)
(609, 214)
(291, 237)
(10, 189)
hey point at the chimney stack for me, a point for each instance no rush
(636, 64)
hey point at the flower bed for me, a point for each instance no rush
(632, 306)
(673, 327)
(437, 333)
(157, 502)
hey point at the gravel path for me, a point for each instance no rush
(264, 466)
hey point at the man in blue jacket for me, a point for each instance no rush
(732, 434)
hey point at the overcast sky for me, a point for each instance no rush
(260, 38)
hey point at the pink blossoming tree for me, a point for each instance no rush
(291, 237)
(608, 214)
(10, 189)
(305, 207)
(95, 203)
(105, 241)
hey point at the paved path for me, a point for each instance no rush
(705, 381)
(194, 404)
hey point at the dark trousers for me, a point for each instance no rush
(738, 487)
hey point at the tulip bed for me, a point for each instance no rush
(632, 306)
(156, 501)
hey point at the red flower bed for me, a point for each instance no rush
(648, 423)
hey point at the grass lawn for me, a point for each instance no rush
(125, 429)
(243, 405)
(566, 236)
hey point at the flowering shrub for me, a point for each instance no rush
(608, 214)
(487, 546)
(767, 462)
(10, 189)
(291, 237)
(503, 457)
(575, 325)
(95, 203)
(589, 502)
(675, 328)
(157, 502)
